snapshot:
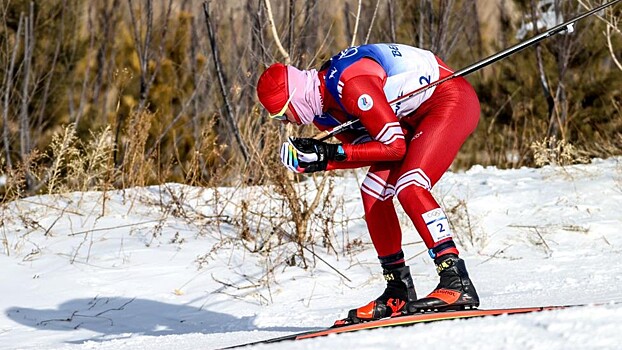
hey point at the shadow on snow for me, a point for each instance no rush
(117, 317)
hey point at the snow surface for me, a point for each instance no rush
(164, 267)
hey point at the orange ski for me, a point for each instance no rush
(409, 320)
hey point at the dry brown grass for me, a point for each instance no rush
(551, 151)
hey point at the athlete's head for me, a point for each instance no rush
(290, 94)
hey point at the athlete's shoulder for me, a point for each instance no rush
(363, 67)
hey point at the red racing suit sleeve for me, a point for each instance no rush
(345, 138)
(363, 97)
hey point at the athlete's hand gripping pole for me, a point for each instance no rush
(308, 155)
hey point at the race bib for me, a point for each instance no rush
(437, 224)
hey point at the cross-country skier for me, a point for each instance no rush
(408, 146)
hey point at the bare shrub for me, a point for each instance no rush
(464, 224)
(551, 151)
(63, 152)
(138, 169)
(15, 177)
(94, 169)
(206, 154)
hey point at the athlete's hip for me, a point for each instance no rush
(454, 99)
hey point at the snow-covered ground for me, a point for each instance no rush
(165, 268)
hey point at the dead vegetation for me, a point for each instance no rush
(122, 93)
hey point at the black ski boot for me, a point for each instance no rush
(454, 292)
(400, 291)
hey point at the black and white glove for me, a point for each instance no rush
(307, 155)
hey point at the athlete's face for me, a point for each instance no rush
(289, 117)
(286, 116)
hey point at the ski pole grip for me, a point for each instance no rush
(323, 135)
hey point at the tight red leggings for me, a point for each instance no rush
(439, 128)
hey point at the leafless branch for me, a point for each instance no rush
(292, 12)
(51, 70)
(143, 47)
(392, 20)
(8, 87)
(107, 22)
(610, 47)
(85, 80)
(112, 228)
(542, 73)
(356, 23)
(315, 255)
(371, 24)
(612, 26)
(275, 34)
(28, 54)
(221, 81)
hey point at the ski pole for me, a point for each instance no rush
(566, 26)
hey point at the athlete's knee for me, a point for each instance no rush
(413, 182)
(374, 188)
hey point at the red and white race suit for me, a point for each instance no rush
(408, 145)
